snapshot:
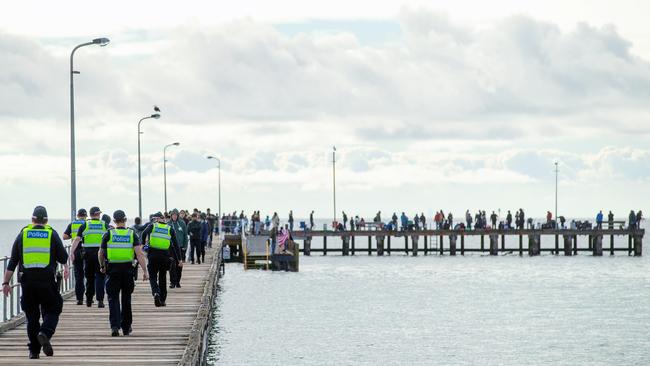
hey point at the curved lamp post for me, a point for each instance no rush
(165, 168)
(154, 116)
(73, 166)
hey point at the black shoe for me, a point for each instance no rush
(100, 304)
(162, 303)
(156, 300)
(115, 332)
(45, 343)
(172, 286)
(178, 285)
(198, 262)
(89, 303)
(80, 302)
(33, 355)
(126, 332)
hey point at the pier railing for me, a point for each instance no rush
(11, 309)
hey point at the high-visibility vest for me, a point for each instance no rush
(161, 236)
(74, 228)
(36, 246)
(93, 233)
(120, 246)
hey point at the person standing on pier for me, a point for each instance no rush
(468, 220)
(162, 245)
(176, 272)
(423, 221)
(90, 236)
(119, 247)
(450, 220)
(291, 220)
(194, 232)
(311, 220)
(36, 251)
(78, 263)
(345, 221)
(599, 220)
(404, 220)
(205, 234)
(639, 217)
(610, 220)
(509, 220)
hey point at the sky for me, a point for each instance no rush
(451, 105)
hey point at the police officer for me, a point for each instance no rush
(119, 247)
(162, 246)
(78, 264)
(36, 250)
(91, 233)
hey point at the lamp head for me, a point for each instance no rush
(101, 41)
(155, 115)
(176, 143)
(210, 157)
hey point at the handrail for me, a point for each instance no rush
(11, 304)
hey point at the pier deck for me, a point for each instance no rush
(171, 335)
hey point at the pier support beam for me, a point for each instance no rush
(482, 243)
(353, 236)
(426, 245)
(441, 245)
(503, 242)
(533, 244)
(389, 244)
(369, 245)
(494, 244)
(307, 246)
(568, 241)
(557, 244)
(575, 245)
(629, 244)
(611, 245)
(452, 244)
(521, 245)
(638, 244)
(380, 245)
(346, 245)
(324, 245)
(462, 244)
(597, 245)
(414, 241)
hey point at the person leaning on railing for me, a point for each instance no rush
(36, 251)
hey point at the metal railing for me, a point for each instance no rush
(11, 304)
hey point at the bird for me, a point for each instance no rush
(155, 108)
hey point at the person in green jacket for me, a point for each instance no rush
(180, 228)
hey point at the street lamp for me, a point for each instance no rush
(154, 116)
(73, 170)
(556, 172)
(165, 168)
(334, 179)
(219, 209)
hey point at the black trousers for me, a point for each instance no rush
(95, 279)
(40, 299)
(158, 266)
(78, 266)
(202, 250)
(119, 287)
(176, 272)
(195, 247)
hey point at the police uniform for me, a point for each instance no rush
(36, 250)
(78, 263)
(162, 246)
(92, 232)
(118, 247)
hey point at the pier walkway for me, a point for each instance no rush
(171, 335)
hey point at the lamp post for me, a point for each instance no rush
(219, 181)
(165, 168)
(556, 172)
(334, 179)
(154, 116)
(73, 166)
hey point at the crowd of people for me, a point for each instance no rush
(105, 255)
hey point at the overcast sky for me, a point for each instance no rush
(448, 105)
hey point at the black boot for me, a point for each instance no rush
(45, 343)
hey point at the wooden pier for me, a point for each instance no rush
(173, 335)
(452, 242)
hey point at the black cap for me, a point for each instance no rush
(106, 219)
(158, 215)
(82, 212)
(39, 213)
(119, 215)
(95, 210)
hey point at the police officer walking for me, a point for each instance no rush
(91, 233)
(78, 263)
(36, 250)
(162, 249)
(119, 247)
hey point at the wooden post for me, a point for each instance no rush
(369, 245)
(462, 244)
(494, 244)
(452, 244)
(353, 236)
(414, 241)
(503, 242)
(307, 246)
(557, 244)
(611, 245)
(521, 244)
(482, 243)
(380, 245)
(426, 246)
(406, 243)
(598, 245)
(568, 240)
(629, 244)
(591, 246)
(441, 245)
(638, 244)
(534, 244)
(345, 250)
(389, 235)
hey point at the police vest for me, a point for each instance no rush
(93, 233)
(120, 246)
(161, 236)
(36, 246)
(74, 228)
